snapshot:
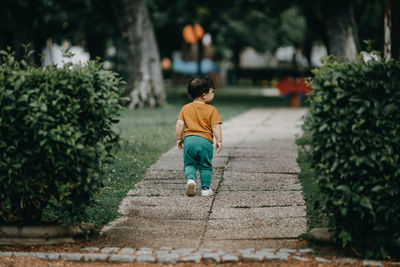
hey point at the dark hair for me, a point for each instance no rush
(199, 85)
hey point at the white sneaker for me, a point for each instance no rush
(206, 193)
(191, 188)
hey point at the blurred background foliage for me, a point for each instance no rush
(262, 24)
(106, 29)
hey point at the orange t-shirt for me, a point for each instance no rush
(198, 120)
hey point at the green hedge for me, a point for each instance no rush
(354, 123)
(55, 135)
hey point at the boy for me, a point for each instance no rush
(196, 127)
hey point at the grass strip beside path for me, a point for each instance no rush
(148, 133)
(307, 179)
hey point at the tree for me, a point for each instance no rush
(90, 23)
(341, 24)
(341, 30)
(391, 29)
(34, 21)
(145, 83)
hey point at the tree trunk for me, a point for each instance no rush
(391, 28)
(145, 82)
(342, 33)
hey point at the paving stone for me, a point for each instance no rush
(170, 213)
(146, 258)
(248, 250)
(323, 260)
(152, 192)
(211, 257)
(287, 250)
(251, 228)
(39, 255)
(90, 249)
(117, 258)
(270, 256)
(236, 181)
(167, 201)
(281, 165)
(184, 251)
(22, 254)
(229, 258)
(300, 258)
(282, 256)
(6, 254)
(248, 256)
(148, 239)
(168, 161)
(71, 256)
(164, 175)
(221, 252)
(144, 251)
(192, 258)
(306, 250)
(52, 256)
(371, 263)
(110, 250)
(258, 244)
(259, 213)
(239, 224)
(259, 199)
(168, 258)
(95, 257)
(276, 148)
(205, 250)
(346, 261)
(161, 252)
(127, 251)
(269, 250)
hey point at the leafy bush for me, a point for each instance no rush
(355, 147)
(55, 135)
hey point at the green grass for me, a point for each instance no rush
(307, 178)
(147, 133)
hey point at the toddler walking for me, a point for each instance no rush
(197, 124)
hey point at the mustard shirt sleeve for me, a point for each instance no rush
(180, 116)
(215, 119)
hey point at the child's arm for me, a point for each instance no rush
(217, 130)
(180, 125)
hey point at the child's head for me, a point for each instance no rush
(199, 85)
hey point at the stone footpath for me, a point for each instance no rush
(256, 214)
(258, 201)
(167, 255)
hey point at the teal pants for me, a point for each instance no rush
(197, 155)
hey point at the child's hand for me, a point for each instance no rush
(218, 146)
(179, 144)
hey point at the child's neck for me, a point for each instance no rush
(200, 101)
